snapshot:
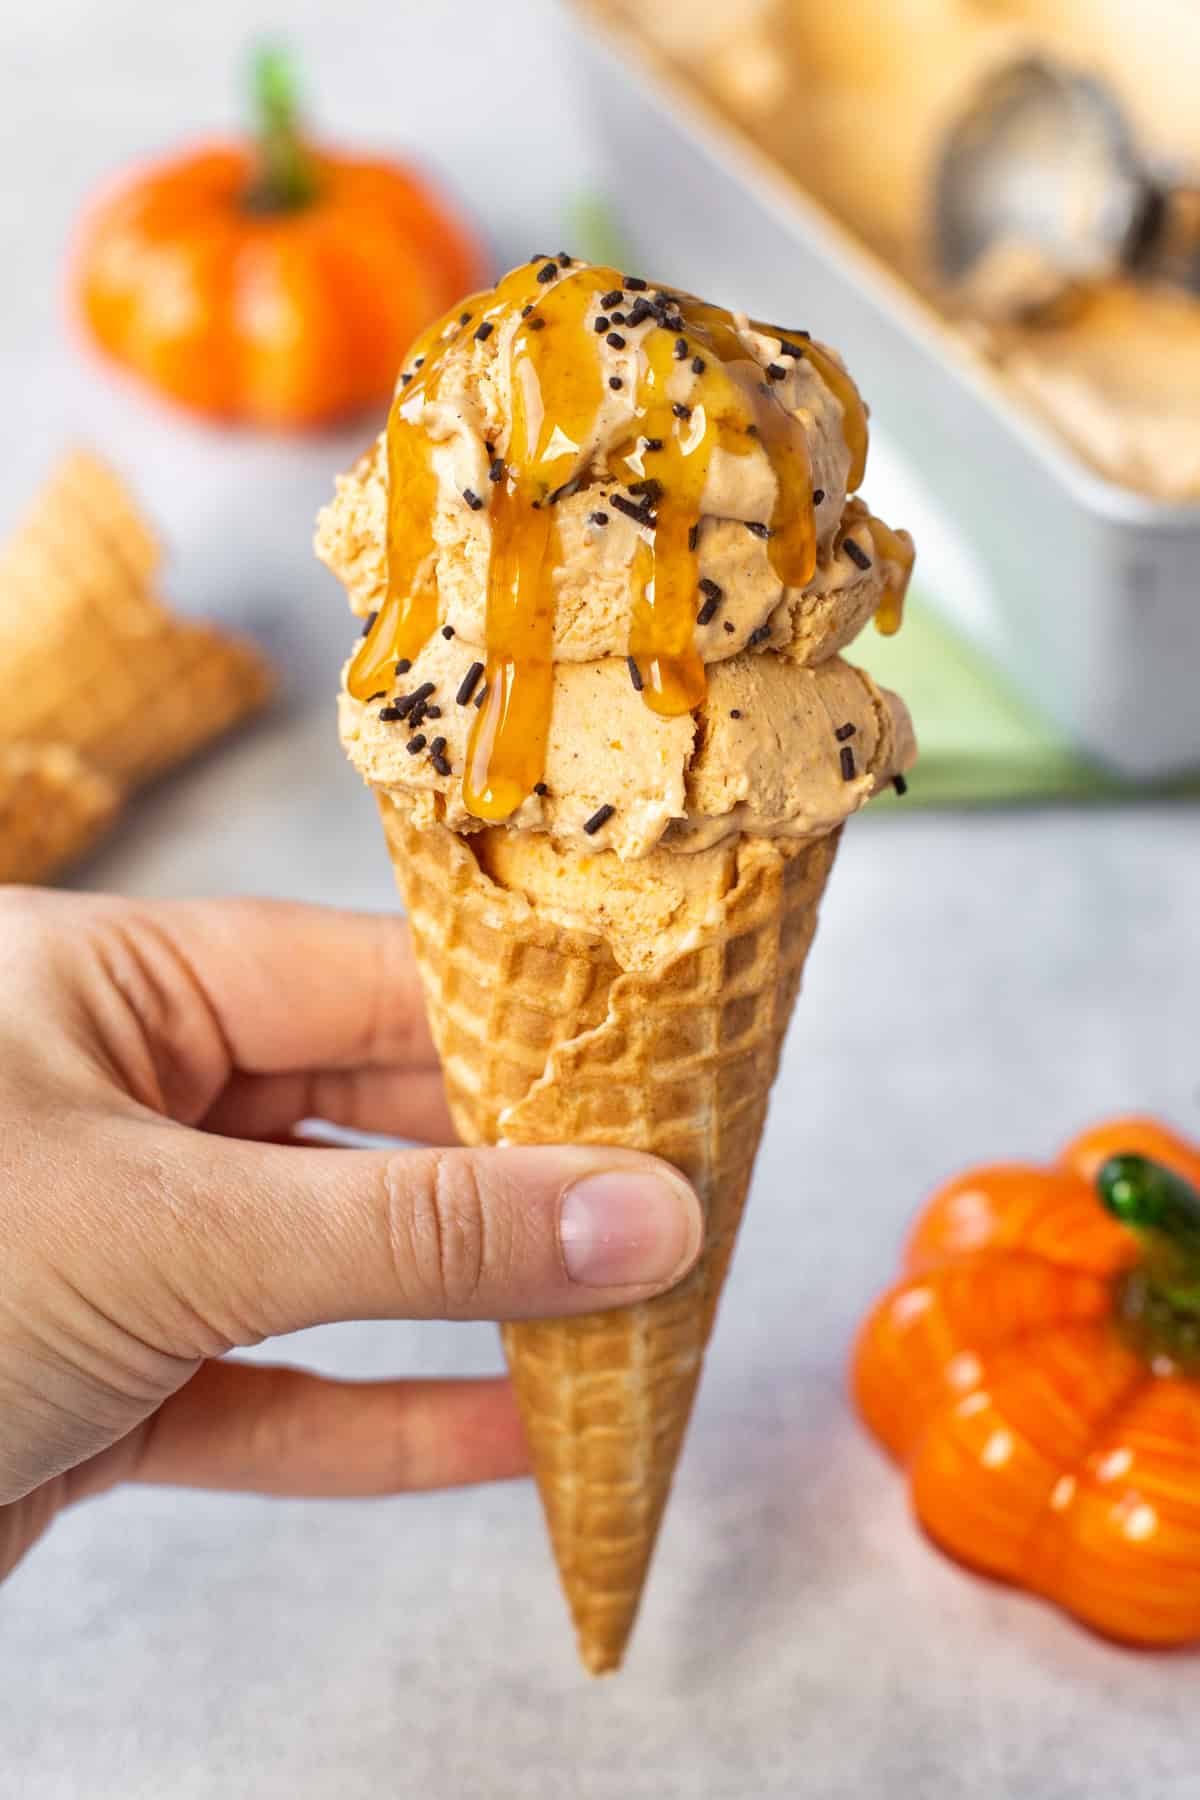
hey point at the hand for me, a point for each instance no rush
(155, 1211)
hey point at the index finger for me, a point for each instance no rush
(264, 987)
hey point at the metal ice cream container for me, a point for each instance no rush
(1091, 598)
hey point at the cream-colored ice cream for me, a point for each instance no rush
(776, 735)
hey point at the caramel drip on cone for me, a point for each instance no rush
(557, 392)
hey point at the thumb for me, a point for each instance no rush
(280, 1237)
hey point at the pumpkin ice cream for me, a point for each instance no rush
(609, 551)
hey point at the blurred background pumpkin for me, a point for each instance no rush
(273, 282)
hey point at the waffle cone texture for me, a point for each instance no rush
(545, 1038)
(102, 687)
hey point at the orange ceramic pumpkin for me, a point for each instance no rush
(275, 284)
(1037, 1371)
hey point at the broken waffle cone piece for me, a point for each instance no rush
(53, 808)
(557, 1032)
(90, 657)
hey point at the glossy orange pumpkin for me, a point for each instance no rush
(276, 283)
(1037, 1371)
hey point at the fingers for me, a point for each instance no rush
(259, 986)
(260, 1239)
(409, 1103)
(269, 1430)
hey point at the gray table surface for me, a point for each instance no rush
(981, 986)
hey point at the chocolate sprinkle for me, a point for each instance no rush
(756, 528)
(652, 443)
(792, 350)
(648, 487)
(634, 283)
(564, 261)
(496, 469)
(708, 611)
(600, 817)
(615, 340)
(433, 712)
(640, 310)
(693, 536)
(710, 587)
(776, 372)
(437, 746)
(697, 365)
(681, 411)
(483, 332)
(541, 788)
(447, 631)
(481, 696)
(681, 348)
(900, 785)
(371, 698)
(614, 381)
(613, 297)
(618, 318)
(635, 674)
(847, 760)
(536, 325)
(406, 378)
(818, 496)
(758, 637)
(734, 713)
(415, 744)
(856, 553)
(472, 499)
(403, 666)
(640, 513)
(441, 765)
(526, 310)
(464, 318)
(598, 518)
(600, 324)
(548, 272)
(369, 621)
(843, 732)
(466, 686)
(388, 713)
(728, 626)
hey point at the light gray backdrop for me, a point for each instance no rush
(981, 986)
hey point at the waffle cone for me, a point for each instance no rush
(53, 807)
(546, 1038)
(103, 687)
(92, 658)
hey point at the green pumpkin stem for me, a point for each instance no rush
(1159, 1299)
(285, 179)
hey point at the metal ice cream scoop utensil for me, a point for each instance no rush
(1040, 186)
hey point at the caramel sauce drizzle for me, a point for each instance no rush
(899, 553)
(557, 393)
(687, 407)
(896, 551)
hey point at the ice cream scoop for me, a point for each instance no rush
(1040, 184)
(595, 496)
